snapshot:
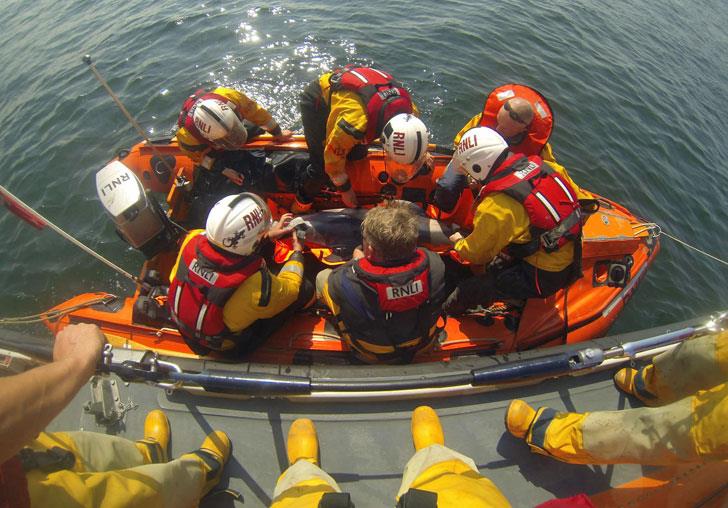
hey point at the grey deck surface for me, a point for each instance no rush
(365, 446)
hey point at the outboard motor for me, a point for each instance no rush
(139, 219)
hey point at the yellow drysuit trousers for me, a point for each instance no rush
(302, 486)
(690, 430)
(695, 364)
(452, 476)
(111, 472)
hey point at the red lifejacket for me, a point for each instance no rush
(550, 202)
(186, 116)
(390, 305)
(206, 278)
(383, 96)
(538, 133)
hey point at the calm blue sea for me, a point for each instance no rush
(638, 89)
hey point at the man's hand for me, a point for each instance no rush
(233, 176)
(285, 135)
(358, 253)
(81, 343)
(281, 227)
(349, 198)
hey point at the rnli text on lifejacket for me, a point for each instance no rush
(396, 292)
(209, 275)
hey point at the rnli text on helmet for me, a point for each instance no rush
(398, 143)
(254, 218)
(202, 126)
(468, 142)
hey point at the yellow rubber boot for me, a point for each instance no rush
(213, 454)
(155, 445)
(302, 442)
(519, 418)
(632, 382)
(426, 428)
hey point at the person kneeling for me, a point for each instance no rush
(527, 210)
(387, 299)
(222, 296)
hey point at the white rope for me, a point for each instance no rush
(54, 314)
(659, 231)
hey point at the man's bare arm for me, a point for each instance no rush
(29, 401)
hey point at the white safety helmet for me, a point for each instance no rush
(216, 120)
(478, 151)
(238, 223)
(405, 140)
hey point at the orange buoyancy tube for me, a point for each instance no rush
(540, 129)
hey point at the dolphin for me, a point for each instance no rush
(339, 229)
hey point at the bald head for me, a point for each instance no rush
(514, 117)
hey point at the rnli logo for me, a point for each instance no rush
(523, 173)
(389, 92)
(411, 289)
(208, 275)
(116, 182)
(202, 126)
(252, 219)
(398, 143)
(467, 143)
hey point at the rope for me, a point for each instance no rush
(657, 229)
(55, 314)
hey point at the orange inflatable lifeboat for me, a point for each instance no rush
(618, 248)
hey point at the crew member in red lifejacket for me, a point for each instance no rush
(387, 300)
(342, 112)
(527, 210)
(222, 297)
(523, 117)
(212, 127)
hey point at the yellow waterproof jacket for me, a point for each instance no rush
(346, 109)
(246, 108)
(243, 309)
(547, 154)
(500, 220)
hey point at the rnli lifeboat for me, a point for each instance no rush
(618, 248)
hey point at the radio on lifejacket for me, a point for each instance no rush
(138, 218)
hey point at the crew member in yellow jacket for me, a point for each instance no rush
(435, 476)
(88, 469)
(222, 296)
(523, 117)
(344, 111)
(527, 224)
(212, 127)
(213, 121)
(690, 423)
